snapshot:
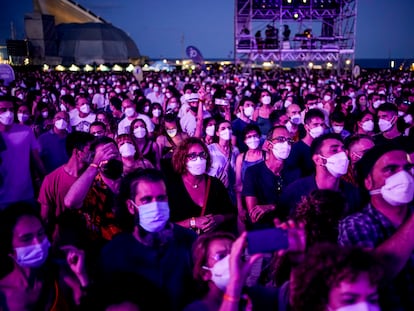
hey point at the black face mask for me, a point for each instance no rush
(113, 169)
(194, 109)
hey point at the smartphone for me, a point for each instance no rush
(221, 102)
(267, 240)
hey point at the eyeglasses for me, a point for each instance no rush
(282, 139)
(194, 155)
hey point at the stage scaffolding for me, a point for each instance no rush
(322, 32)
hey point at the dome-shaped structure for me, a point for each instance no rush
(97, 43)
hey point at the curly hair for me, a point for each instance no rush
(179, 159)
(325, 267)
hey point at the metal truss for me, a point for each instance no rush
(335, 43)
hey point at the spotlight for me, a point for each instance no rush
(295, 15)
(289, 1)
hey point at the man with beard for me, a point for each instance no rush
(157, 250)
(94, 193)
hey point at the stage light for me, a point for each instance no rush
(130, 68)
(117, 68)
(46, 67)
(329, 65)
(310, 65)
(295, 15)
(289, 1)
(304, 1)
(164, 61)
(392, 64)
(88, 68)
(348, 62)
(60, 68)
(73, 67)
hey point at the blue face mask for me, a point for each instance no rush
(153, 216)
(32, 256)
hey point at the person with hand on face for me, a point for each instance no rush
(265, 181)
(156, 249)
(53, 143)
(95, 192)
(132, 158)
(147, 148)
(386, 224)
(29, 279)
(198, 201)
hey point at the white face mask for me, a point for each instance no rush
(140, 132)
(327, 98)
(45, 114)
(171, 106)
(281, 150)
(210, 130)
(337, 164)
(153, 216)
(102, 90)
(63, 92)
(296, 119)
(376, 104)
(172, 132)
(32, 256)
(197, 167)
(252, 142)
(129, 112)
(398, 189)
(127, 150)
(225, 134)
(146, 109)
(62, 107)
(384, 125)
(408, 119)
(368, 126)
(316, 131)
(61, 124)
(156, 88)
(266, 100)
(248, 111)
(288, 103)
(288, 126)
(360, 306)
(6, 117)
(85, 108)
(337, 129)
(156, 113)
(22, 117)
(220, 273)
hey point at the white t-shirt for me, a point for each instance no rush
(125, 123)
(98, 100)
(156, 99)
(83, 124)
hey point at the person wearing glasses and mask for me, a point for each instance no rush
(264, 182)
(198, 201)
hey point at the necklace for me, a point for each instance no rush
(195, 185)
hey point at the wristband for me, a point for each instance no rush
(230, 298)
(94, 165)
(192, 223)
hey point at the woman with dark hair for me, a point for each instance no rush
(132, 158)
(145, 145)
(29, 280)
(209, 130)
(156, 114)
(365, 123)
(198, 201)
(262, 113)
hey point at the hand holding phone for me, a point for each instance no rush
(267, 240)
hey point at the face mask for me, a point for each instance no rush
(337, 164)
(220, 273)
(146, 109)
(22, 117)
(316, 131)
(288, 126)
(20, 96)
(45, 114)
(229, 96)
(210, 130)
(127, 150)
(172, 132)
(361, 306)
(337, 129)
(368, 126)
(327, 98)
(156, 113)
(225, 134)
(113, 169)
(102, 90)
(376, 104)
(266, 100)
(248, 111)
(61, 124)
(384, 125)
(62, 107)
(85, 108)
(171, 106)
(32, 256)
(296, 119)
(156, 88)
(129, 112)
(281, 150)
(140, 132)
(63, 92)
(398, 189)
(197, 167)
(168, 95)
(252, 142)
(153, 216)
(312, 89)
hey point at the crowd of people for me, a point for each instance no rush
(126, 194)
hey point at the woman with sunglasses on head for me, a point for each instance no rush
(198, 201)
